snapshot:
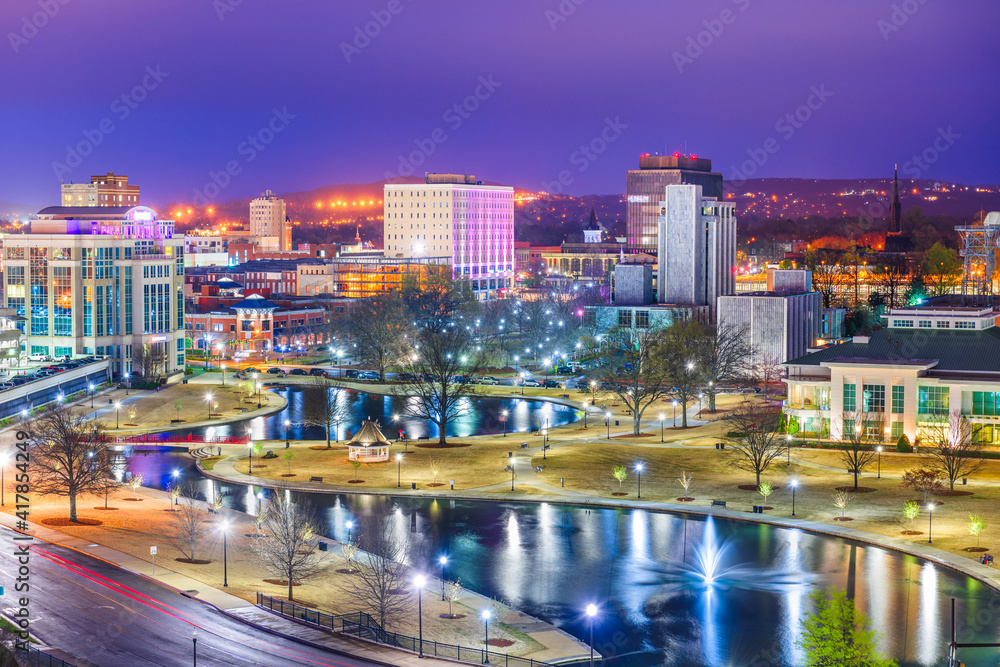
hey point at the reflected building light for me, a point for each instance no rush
(878, 578)
(513, 575)
(930, 645)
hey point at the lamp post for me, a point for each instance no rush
(503, 420)
(700, 396)
(486, 631)
(591, 613)
(607, 422)
(349, 525)
(224, 527)
(258, 395)
(674, 402)
(126, 384)
(208, 399)
(91, 387)
(879, 450)
(442, 561)
(930, 521)
(222, 369)
(788, 449)
(661, 427)
(399, 470)
(250, 456)
(523, 378)
(174, 474)
(287, 424)
(420, 581)
(593, 392)
(340, 353)
(638, 470)
(795, 484)
(118, 408)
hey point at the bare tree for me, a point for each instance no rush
(724, 356)
(189, 525)
(681, 363)
(442, 366)
(379, 326)
(632, 365)
(149, 360)
(284, 546)
(955, 451)
(379, 583)
(862, 432)
(754, 441)
(324, 405)
(923, 481)
(69, 455)
(768, 371)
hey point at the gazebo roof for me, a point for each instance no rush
(254, 302)
(368, 435)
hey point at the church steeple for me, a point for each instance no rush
(592, 232)
(895, 209)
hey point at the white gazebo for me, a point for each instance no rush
(368, 445)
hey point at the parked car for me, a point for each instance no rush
(583, 385)
(274, 370)
(368, 375)
(38, 357)
(318, 372)
(551, 384)
(297, 371)
(250, 370)
(487, 380)
(406, 377)
(531, 383)
(351, 373)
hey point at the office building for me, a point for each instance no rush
(269, 224)
(109, 189)
(779, 325)
(697, 248)
(99, 280)
(456, 219)
(644, 191)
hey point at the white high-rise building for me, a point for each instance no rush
(697, 248)
(269, 220)
(458, 219)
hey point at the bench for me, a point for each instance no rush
(718, 503)
(524, 445)
(315, 479)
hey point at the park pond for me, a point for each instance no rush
(673, 589)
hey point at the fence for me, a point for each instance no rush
(364, 627)
(36, 657)
(166, 438)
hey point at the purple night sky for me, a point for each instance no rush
(563, 72)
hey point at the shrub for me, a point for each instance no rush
(903, 445)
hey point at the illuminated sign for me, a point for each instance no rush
(638, 199)
(159, 339)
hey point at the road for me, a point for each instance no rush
(107, 616)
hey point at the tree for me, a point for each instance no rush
(680, 358)
(685, 480)
(631, 365)
(941, 263)
(356, 464)
(284, 547)
(175, 493)
(189, 526)
(836, 634)
(765, 489)
(619, 473)
(891, 275)
(149, 360)
(859, 452)
(724, 356)
(841, 499)
(767, 371)
(324, 405)
(433, 295)
(135, 482)
(350, 551)
(379, 327)
(826, 274)
(910, 510)
(453, 593)
(754, 441)
(955, 451)
(380, 581)
(289, 455)
(178, 406)
(977, 524)
(923, 481)
(68, 455)
(442, 366)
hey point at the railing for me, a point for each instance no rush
(362, 626)
(36, 657)
(161, 438)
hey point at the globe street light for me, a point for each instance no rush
(224, 527)
(91, 387)
(879, 450)
(930, 521)
(591, 613)
(674, 402)
(126, 384)
(486, 629)
(420, 581)
(503, 420)
(442, 561)
(208, 399)
(349, 525)
(399, 468)
(287, 424)
(259, 385)
(118, 407)
(607, 422)
(661, 427)
(795, 484)
(638, 470)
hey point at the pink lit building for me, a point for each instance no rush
(454, 219)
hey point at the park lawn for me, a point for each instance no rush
(893, 463)
(479, 464)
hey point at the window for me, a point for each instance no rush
(246, 325)
(642, 319)
(897, 430)
(983, 433)
(965, 324)
(848, 427)
(984, 403)
(902, 323)
(873, 398)
(625, 318)
(943, 324)
(850, 397)
(924, 324)
(932, 400)
(898, 402)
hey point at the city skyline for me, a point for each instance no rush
(517, 92)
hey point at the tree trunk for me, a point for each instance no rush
(72, 507)
(289, 586)
(758, 478)
(442, 438)
(636, 423)
(328, 445)
(711, 401)
(684, 415)
(855, 479)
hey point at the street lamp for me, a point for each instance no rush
(91, 387)
(222, 369)
(258, 395)
(126, 384)
(638, 470)
(788, 449)
(420, 581)
(174, 474)
(349, 525)
(224, 527)
(250, 456)
(593, 392)
(503, 420)
(208, 399)
(287, 424)
(607, 422)
(930, 521)
(591, 613)
(661, 427)
(399, 468)
(879, 450)
(674, 402)
(795, 484)
(486, 629)
(442, 561)
(523, 378)
(118, 407)
(260, 497)
(700, 395)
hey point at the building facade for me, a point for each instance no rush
(458, 219)
(268, 220)
(106, 281)
(780, 325)
(644, 191)
(697, 248)
(109, 189)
